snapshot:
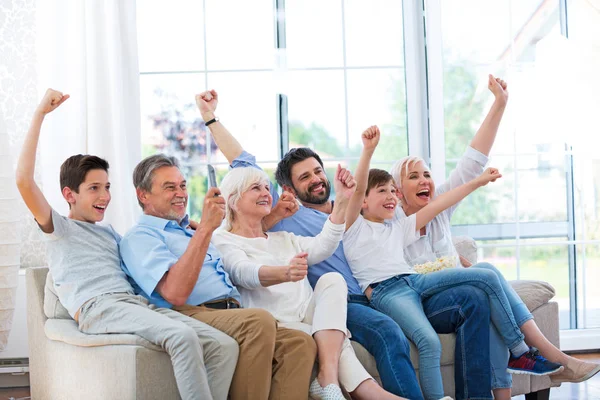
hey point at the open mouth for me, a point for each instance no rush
(318, 188)
(423, 194)
(263, 203)
(389, 206)
(179, 204)
(100, 208)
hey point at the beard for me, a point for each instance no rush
(307, 197)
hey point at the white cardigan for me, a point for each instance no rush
(243, 257)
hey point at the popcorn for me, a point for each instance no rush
(437, 265)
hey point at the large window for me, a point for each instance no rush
(318, 72)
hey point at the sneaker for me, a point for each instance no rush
(532, 363)
(576, 371)
(329, 392)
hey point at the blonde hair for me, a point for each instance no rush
(406, 163)
(233, 186)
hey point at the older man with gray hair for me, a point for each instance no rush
(177, 267)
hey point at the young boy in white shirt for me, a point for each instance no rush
(373, 245)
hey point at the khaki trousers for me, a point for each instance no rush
(274, 363)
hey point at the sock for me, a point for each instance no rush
(519, 349)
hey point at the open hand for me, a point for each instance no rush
(298, 268)
(489, 175)
(343, 183)
(498, 87)
(370, 137)
(207, 103)
(51, 100)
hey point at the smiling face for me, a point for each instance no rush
(416, 186)
(310, 182)
(380, 202)
(254, 202)
(90, 202)
(168, 197)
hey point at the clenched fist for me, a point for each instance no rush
(51, 100)
(370, 138)
(489, 175)
(298, 268)
(207, 104)
(213, 210)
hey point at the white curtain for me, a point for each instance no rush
(88, 49)
(10, 237)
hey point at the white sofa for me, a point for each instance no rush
(66, 364)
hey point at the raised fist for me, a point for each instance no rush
(207, 103)
(51, 100)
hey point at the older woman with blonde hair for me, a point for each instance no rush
(270, 271)
(417, 189)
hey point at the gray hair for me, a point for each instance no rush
(236, 182)
(144, 171)
(406, 163)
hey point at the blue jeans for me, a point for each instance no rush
(465, 310)
(498, 350)
(382, 337)
(401, 297)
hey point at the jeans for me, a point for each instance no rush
(465, 310)
(498, 351)
(401, 297)
(384, 340)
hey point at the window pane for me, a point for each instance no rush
(240, 34)
(378, 97)
(316, 111)
(374, 33)
(542, 176)
(549, 263)
(248, 108)
(588, 274)
(164, 33)
(493, 203)
(171, 122)
(313, 33)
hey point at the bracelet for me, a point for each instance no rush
(212, 121)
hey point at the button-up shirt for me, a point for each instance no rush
(155, 244)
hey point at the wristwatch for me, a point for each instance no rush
(212, 121)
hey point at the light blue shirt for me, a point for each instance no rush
(308, 222)
(152, 246)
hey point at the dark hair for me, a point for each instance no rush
(144, 171)
(377, 177)
(283, 174)
(75, 168)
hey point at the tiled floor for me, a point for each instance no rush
(589, 390)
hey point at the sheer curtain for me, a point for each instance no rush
(88, 49)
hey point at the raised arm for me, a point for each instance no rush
(451, 197)
(486, 134)
(178, 283)
(30, 192)
(370, 139)
(229, 146)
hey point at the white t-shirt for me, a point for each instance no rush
(437, 241)
(243, 257)
(375, 250)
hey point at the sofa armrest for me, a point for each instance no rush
(533, 293)
(66, 331)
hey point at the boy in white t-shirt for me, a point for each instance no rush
(373, 245)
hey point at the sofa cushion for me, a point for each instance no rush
(533, 293)
(66, 331)
(53, 308)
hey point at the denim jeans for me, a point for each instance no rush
(382, 337)
(465, 310)
(401, 297)
(498, 351)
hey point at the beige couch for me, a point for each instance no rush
(66, 364)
